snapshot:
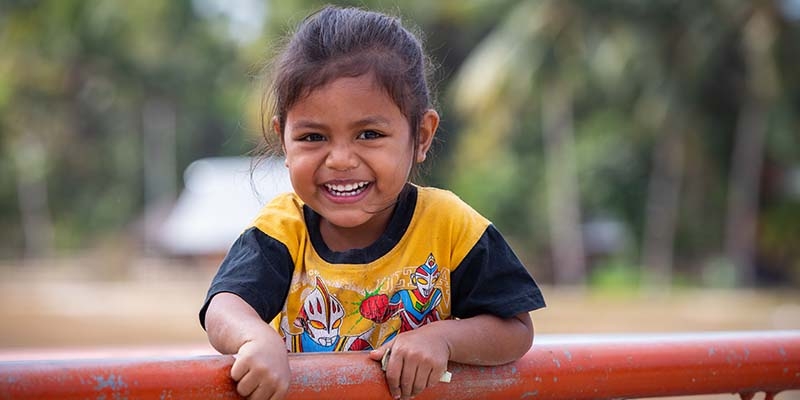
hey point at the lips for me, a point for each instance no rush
(346, 189)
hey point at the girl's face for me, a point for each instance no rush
(349, 152)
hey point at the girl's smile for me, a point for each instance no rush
(347, 192)
(349, 151)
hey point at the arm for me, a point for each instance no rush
(261, 367)
(420, 357)
(486, 339)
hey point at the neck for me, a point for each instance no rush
(340, 239)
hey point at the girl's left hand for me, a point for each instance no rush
(418, 359)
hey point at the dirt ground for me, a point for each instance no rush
(152, 306)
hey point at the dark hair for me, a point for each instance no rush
(349, 42)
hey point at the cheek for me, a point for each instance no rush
(405, 154)
(298, 167)
(294, 157)
(299, 171)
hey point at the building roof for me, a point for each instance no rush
(220, 199)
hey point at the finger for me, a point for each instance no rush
(247, 385)
(262, 392)
(280, 391)
(422, 381)
(407, 379)
(394, 369)
(377, 354)
(433, 377)
(238, 369)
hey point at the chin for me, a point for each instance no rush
(346, 221)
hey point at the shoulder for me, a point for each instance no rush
(282, 218)
(446, 205)
(446, 220)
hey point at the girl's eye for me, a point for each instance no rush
(312, 137)
(369, 135)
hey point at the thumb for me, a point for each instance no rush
(377, 354)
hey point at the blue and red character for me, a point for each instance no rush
(415, 307)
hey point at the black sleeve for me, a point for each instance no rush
(492, 280)
(258, 269)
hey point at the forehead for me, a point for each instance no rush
(347, 98)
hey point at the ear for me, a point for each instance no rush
(427, 130)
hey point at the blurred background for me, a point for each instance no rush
(643, 157)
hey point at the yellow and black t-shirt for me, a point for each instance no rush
(437, 259)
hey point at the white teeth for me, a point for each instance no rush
(350, 189)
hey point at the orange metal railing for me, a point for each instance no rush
(567, 368)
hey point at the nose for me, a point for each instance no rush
(342, 157)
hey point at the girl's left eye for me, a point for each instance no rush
(369, 135)
(312, 137)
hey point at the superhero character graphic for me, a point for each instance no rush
(320, 320)
(415, 307)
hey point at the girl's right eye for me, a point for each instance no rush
(312, 137)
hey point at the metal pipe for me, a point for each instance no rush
(571, 368)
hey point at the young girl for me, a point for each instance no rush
(358, 258)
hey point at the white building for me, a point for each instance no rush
(220, 199)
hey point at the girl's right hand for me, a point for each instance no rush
(261, 370)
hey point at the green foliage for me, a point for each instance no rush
(615, 276)
(635, 73)
(78, 76)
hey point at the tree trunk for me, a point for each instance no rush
(30, 160)
(661, 211)
(743, 189)
(748, 149)
(563, 205)
(160, 164)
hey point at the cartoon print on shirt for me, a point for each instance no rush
(415, 307)
(320, 320)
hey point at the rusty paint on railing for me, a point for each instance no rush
(626, 367)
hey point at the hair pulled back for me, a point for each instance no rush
(349, 42)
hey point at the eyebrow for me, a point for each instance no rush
(308, 124)
(366, 121)
(371, 120)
